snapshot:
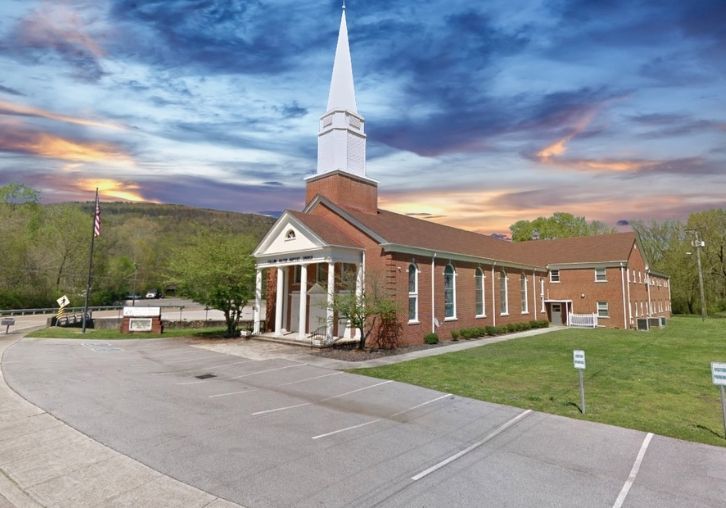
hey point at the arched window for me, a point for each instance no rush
(412, 293)
(503, 294)
(523, 293)
(479, 293)
(449, 292)
(290, 235)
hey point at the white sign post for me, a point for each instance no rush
(718, 375)
(578, 358)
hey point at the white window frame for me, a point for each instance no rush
(453, 293)
(599, 308)
(553, 272)
(479, 273)
(412, 294)
(503, 301)
(604, 272)
(524, 295)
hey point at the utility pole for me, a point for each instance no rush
(698, 244)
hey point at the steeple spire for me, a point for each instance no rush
(342, 138)
(342, 91)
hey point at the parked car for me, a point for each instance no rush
(153, 293)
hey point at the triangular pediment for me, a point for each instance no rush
(288, 235)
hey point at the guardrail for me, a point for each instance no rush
(54, 310)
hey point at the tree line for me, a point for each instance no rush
(44, 249)
(668, 246)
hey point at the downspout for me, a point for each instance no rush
(670, 304)
(494, 304)
(534, 294)
(625, 312)
(433, 293)
(630, 304)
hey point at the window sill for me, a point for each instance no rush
(451, 318)
(554, 282)
(525, 312)
(415, 322)
(600, 281)
(480, 316)
(504, 313)
(603, 317)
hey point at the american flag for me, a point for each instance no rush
(97, 218)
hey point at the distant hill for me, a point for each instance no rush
(180, 218)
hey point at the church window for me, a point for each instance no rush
(601, 275)
(412, 293)
(503, 294)
(290, 235)
(523, 294)
(449, 292)
(554, 275)
(479, 293)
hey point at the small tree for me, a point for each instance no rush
(216, 270)
(365, 312)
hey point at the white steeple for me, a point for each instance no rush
(341, 138)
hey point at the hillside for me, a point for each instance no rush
(45, 248)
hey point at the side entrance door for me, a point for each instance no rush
(556, 313)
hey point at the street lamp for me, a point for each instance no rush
(699, 244)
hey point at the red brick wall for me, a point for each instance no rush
(344, 189)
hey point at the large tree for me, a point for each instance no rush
(559, 225)
(217, 270)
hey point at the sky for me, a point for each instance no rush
(478, 114)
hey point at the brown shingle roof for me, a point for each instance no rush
(325, 230)
(583, 249)
(409, 231)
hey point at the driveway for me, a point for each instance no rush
(262, 430)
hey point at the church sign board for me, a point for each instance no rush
(141, 319)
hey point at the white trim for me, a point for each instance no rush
(279, 299)
(258, 302)
(494, 299)
(302, 316)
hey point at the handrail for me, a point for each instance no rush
(54, 310)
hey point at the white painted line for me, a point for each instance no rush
(220, 365)
(267, 411)
(231, 393)
(473, 447)
(633, 472)
(268, 370)
(346, 429)
(193, 382)
(421, 405)
(187, 360)
(310, 379)
(356, 391)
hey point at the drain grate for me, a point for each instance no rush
(205, 376)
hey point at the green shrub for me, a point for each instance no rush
(491, 330)
(431, 338)
(455, 335)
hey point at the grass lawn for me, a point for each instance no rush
(75, 333)
(657, 381)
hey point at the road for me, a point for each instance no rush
(266, 431)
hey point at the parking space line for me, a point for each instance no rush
(186, 360)
(191, 382)
(268, 370)
(380, 419)
(310, 378)
(633, 472)
(346, 429)
(421, 405)
(232, 393)
(473, 447)
(220, 365)
(267, 411)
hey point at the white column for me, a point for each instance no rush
(331, 294)
(258, 302)
(279, 299)
(303, 319)
(360, 286)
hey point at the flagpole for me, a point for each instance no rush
(90, 260)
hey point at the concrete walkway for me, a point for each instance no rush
(44, 462)
(262, 350)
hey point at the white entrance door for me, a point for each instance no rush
(557, 313)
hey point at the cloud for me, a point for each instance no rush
(9, 108)
(669, 125)
(110, 188)
(11, 91)
(15, 140)
(56, 28)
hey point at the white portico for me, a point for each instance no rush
(311, 263)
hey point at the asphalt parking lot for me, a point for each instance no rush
(277, 432)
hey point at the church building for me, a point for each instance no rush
(441, 278)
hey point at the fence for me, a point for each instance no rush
(582, 320)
